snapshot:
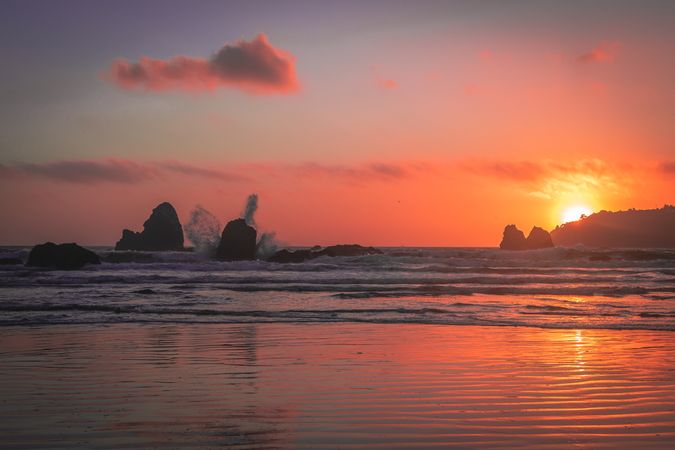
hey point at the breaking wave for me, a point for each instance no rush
(562, 288)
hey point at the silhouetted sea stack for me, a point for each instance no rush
(162, 231)
(539, 238)
(61, 256)
(514, 239)
(238, 242)
(287, 256)
(653, 228)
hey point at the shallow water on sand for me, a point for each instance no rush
(340, 385)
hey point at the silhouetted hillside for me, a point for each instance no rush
(632, 228)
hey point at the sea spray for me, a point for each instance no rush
(250, 209)
(203, 230)
(266, 246)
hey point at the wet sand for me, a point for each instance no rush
(334, 386)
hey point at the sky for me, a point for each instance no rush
(381, 123)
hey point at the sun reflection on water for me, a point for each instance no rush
(580, 350)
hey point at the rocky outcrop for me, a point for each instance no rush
(514, 239)
(62, 256)
(238, 242)
(348, 250)
(538, 238)
(162, 231)
(287, 256)
(649, 228)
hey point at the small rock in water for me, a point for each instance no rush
(145, 291)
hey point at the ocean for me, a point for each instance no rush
(414, 348)
(563, 288)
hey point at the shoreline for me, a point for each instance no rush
(329, 322)
(334, 385)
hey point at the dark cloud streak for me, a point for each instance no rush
(190, 170)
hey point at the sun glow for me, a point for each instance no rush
(574, 213)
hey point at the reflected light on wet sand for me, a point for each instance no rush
(335, 386)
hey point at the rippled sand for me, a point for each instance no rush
(334, 386)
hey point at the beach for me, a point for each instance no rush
(334, 385)
(337, 225)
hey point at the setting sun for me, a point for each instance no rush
(574, 213)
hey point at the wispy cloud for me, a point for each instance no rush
(253, 66)
(519, 171)
(603, 53)
(548, 179)
(383, 81)
(386, 83)
(667, 167)
(84, 171)
(190, 170)
(360, 173)
(110, 170)
(115, 170)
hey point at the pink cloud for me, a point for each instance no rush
(667, 167)
(252, 66)
(190, 170)
(603, 53)
(518, 171)
(386, 83)
(354, 173)
(382, 81)
(486, 55)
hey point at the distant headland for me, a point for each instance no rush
(634, 228)
(651, 228)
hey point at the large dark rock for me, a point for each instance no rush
(62, 256)
(162, 231)
(651, 228)
(237, 242)
(287, 256)
(513, 239)
(539, 238)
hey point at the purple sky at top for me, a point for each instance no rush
(54, 52)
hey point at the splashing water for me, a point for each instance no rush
(250, 209)
(203, 230)
(267, 245)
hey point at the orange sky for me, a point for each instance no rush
(401, 203)
(434, 125)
